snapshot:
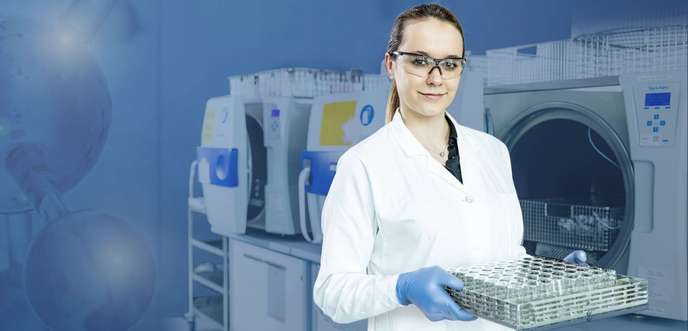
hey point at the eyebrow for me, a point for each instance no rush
(448, 57)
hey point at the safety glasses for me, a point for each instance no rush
(422, 65)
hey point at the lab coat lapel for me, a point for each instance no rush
(412, 148)
(405, 139)
(437, 169)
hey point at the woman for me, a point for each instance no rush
(421, 194)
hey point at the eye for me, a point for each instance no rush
(419, 61)
(450, 64)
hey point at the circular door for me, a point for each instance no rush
(574, 178)
(257, 165)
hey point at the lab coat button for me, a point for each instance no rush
(468, 199)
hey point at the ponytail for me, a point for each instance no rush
(392, 103)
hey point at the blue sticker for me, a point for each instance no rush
(222, 165)
(367, 115)
(275, 112)
(323, 167)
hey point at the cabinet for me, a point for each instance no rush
(269, 289)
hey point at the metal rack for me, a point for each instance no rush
(586, 227)
(533, 293)
(633, 49)
(206, 312)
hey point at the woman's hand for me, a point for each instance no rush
(577, 257)
(425, 289)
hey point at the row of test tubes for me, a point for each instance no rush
(633, 49)
(304, 82)
(532, 278)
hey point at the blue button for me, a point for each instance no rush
(662, 123)
(655, 116)
(665, 140)
(649, 123)
(655, 129)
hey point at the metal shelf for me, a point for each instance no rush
(210, 246)
(208, 312)
(197, 205)
(211, 280)
(209, 309)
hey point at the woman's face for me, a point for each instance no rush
(426, 95)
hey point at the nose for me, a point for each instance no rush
(434, 76)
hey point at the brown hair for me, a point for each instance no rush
(395, 36)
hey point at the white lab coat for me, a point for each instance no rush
(392, 208)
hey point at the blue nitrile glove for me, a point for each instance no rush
(577, 257)
(425, 289)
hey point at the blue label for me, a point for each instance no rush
(367, 115)
(222, 165)
(275, 113)
(323, 167)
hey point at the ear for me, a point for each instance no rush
(389, 63)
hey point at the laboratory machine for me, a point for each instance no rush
(251, 146)
(600, 164)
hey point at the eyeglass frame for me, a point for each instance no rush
(436, 62)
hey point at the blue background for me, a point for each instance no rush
(164, 59)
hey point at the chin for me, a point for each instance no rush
(431, 109)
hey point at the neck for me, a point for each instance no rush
(429, 130)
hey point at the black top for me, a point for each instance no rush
(453, 164)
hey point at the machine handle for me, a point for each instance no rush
(259, 260)
(489, 121)
(192, 175)
(303, 177)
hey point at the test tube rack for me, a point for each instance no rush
(534, 293)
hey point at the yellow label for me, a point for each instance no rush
(334, 116)
(208, 126)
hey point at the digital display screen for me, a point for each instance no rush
(657, 99)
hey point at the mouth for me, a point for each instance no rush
(432, 96)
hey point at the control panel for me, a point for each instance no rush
(657, 105)
(273, 125)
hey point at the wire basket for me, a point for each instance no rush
(557, 60)
(585, 227)
(606, 53)
(634, 49)
(304, 82)
(533, 292)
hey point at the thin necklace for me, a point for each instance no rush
(441, 153)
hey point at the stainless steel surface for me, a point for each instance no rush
(554, 85)
(534, 292)
(574, 226)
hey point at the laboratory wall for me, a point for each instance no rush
(101, 113)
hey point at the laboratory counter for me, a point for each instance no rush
(293, 245)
